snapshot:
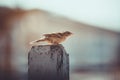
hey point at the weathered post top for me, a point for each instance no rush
(48, 62)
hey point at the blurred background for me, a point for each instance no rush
(94, 48)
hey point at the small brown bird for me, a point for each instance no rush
(54, 38)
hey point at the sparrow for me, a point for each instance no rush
(54, 38)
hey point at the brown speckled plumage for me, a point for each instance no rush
(54, 38)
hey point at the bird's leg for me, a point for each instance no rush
(55, 43)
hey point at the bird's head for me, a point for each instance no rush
(67, 33)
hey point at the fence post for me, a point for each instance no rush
(48, 62)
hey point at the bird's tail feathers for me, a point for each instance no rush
(35, 41)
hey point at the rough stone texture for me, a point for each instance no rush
(48, 62)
